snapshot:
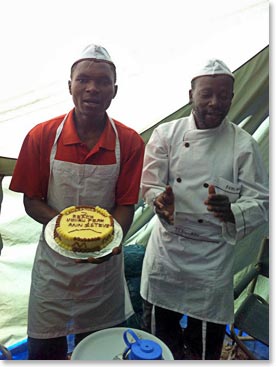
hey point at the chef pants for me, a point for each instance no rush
(54, 348)
(183, 343)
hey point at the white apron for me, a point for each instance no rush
(68, 298)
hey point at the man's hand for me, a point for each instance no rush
(115, 251)
(219, 205)
(164, 205)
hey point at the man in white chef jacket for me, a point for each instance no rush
(205, 179)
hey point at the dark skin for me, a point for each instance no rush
(211, 98)
(164, 205)
(92, 86)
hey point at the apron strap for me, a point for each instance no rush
(152, 323)
(204, 332)
(54, 147)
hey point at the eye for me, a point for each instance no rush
(81, 80)
(105, 82)
(224, 97)
(205, 94)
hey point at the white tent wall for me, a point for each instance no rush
(156, 45)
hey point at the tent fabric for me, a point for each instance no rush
(7, 166)
(250, 109)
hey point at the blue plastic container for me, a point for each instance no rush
(141, 349)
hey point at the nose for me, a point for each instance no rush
(91, 86)
(214, 100)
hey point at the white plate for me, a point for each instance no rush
(108, 344)
(49, 237)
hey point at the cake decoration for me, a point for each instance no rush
(84, 228)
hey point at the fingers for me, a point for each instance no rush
(164, 205)
(219, 211)
(168, 196)
(219, 205)
(211, 190)
(158, 203)
(117, 250)
(92, 260)
(168, 190)
(168, 217)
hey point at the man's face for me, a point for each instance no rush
(211, 98)
(92, 87)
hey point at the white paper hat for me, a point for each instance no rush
(214, 67)
(93, 52)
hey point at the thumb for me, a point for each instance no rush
(168, 190)
(211, 190)
(169, 195)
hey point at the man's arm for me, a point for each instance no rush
(155, 169)
(124, 216)
(39, 210)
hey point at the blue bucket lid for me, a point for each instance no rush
(143, 349)
(146, 349)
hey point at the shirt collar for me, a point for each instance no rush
(70, 135)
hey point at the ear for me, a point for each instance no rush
(190, 96)
(69, 86)
(115, 90)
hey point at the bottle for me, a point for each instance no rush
(141, 349)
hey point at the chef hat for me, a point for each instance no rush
(214, 67)
(96, 52)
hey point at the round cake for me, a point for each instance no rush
(84, 228)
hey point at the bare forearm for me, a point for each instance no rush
(39, 210)
(124, 216)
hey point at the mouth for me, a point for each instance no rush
(214, 113)
(91, 102)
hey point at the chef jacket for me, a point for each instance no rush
(188, 266)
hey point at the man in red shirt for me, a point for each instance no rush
(82, 158)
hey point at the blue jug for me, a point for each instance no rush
(141, 349)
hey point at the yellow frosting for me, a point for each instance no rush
(84, 228)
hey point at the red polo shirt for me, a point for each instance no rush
(31, 173)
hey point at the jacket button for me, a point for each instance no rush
(187, 145)
(206, 185)
(178, 179)
(200, 220)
